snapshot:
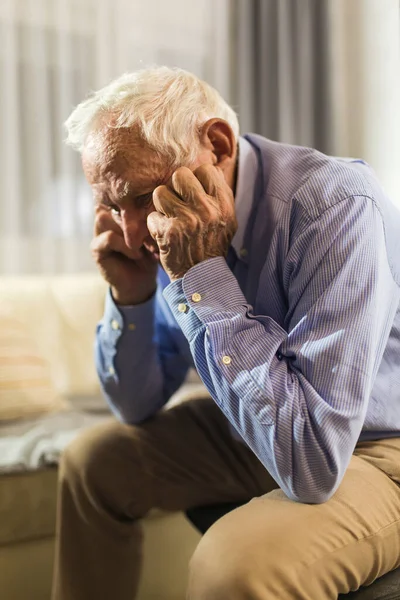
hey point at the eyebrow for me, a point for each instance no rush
(102, 200)
(126, 190)
(105, 201)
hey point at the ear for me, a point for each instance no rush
(217, 135)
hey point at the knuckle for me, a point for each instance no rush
(158, 194)
(154, 222)
(203, 169)
(103, 243)
(94, 245)
(97, 246)
(181, 171)
(169, 227)
(96, 254)
(180, 174)
(159, 190)
(173, 236)
(193, 222)
(101, 220)
(108, 237)
(215, 214)
(212, 215)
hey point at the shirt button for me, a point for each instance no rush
(196, 297)
(243, 252)
(131, 326)
(182, 307)
(226, 360)
(115, 324)
(111, 370)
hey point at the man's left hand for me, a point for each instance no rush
(194, 218)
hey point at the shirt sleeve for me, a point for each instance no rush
(298, 394)
(138, 361)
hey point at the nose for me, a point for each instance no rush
(134, 228)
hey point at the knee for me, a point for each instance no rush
(92, 458)
(232, 562)
(220, 569)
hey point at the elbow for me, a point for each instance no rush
(127, 414)
(315, 482)
(312, 496)
(121, 406)
(120, 412)
(126, 418)
(317, 491)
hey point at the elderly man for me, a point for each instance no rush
(275, 271)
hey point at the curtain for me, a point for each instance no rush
(321, 73)
(52, 53)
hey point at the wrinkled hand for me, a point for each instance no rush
(194, 219)
(130, 273)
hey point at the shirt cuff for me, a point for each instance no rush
(208, 292)
(135, 320)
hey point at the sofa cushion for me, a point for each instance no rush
(61, 313)
(27, 505)
(26, 388)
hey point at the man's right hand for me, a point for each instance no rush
(130, 273)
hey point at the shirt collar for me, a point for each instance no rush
(245, 183)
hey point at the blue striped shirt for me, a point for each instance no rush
(296, 335)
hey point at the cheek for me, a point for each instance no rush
(206, 157)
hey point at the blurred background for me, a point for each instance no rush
(323, 73)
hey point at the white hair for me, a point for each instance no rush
(168, 105)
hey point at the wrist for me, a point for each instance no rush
(130, 298)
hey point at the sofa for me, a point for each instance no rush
(59, 314)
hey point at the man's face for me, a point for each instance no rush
(123, 172)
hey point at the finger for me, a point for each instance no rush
(157, 224)
(188, 187)
(167, 202)
(211, 178)
(214, 182)
(108, 242)
(205, 188)
(104, 221)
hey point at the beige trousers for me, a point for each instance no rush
(269, 549)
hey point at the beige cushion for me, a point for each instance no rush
(61, 313)
(26, 389)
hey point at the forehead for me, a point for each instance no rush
(112, 154)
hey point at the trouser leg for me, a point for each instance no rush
(113, 474)
(276, 549)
